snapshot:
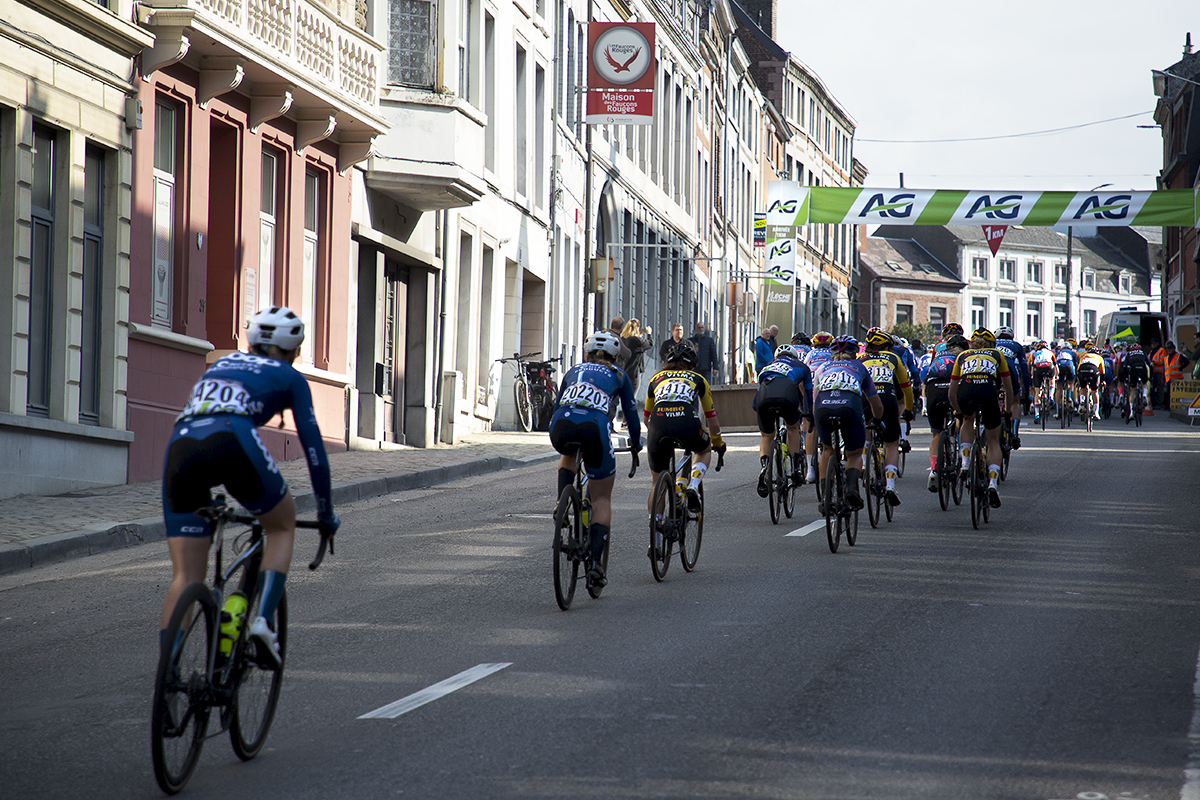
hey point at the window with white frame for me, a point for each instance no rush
(1007, 313)
(979, 268)
(1126, 283)
(1089, 322)
(489, 91)
(1033, 320)
(92, 311)
(978, 312)
(1007, 269)
(1089, 279)
(1060, 272)
(467, 88)
(1033, 272)
(310, 274)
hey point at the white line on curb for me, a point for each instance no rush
(1191, 775)
(807, 529)
(431, 693)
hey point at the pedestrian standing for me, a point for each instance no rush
(706, 353)
(638, 341)
(772, 339)
(676, 337)
(764, 353)
(615, 326)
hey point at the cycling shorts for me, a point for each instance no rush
(1066, 372)
(846, 407)
(891, 417)
(1042, 375)
(1129, 375)
(937, 406)
(685, 431)
(980, 398)
(777, 398)
(585, 431)
(1089, 377)
(204, 452)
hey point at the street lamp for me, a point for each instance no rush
(1070, 239)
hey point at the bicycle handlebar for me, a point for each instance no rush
(220, 510)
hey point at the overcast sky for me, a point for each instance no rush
(948, 69)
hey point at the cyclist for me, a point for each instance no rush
(902, 348)
(1067, 361)
(1044, 369)
(580, 427)
(841, 385)
(948, 330)
(1133, 375)
(1018, 368)
(1091, 368)
(802, 343)
(784, 391)
(675, 398)
(937, 396)
(891, 379)
(979, 375)
(216, 441)
(818, 355)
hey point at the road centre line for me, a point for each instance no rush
(807, 529)
(431, 693)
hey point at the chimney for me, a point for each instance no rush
(763, 14)
(1187, 47)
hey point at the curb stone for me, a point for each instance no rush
(63, 546)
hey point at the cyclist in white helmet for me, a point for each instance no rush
(216, 441)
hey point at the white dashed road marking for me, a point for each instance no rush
(431, 693)
(807, 529)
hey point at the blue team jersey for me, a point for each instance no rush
(939, 369)
(590, 387)
(803, 350)
(843, 375)
(923, 366)
(1067, 356)
(1017, 365)
(818, 356)
(795, 371)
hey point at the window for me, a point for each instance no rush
(466, 86)
(260, 289)
(1089, 279)
(1126, 283)
(1060, 272)
(91, 318)
(489, 91)
(937, 318)
(165, 145)
(312, 249)
(1008, 269)
(978, 312)
(1033, 272)
(1033, 320)
(41, 277)
(540, 157)
(521, 125)
(979, 268)
(410, 43)
(1089, 322)
(904, 313)
(1007, 313)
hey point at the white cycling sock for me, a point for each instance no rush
(698, 471)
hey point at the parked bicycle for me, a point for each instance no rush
(671, 522)
(573, 538)
(211, 662)
(534, 389)
(782, 489)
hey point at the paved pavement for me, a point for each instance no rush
(40, 530)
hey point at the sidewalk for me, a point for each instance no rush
(41, 530)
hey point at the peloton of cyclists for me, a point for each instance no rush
(892, 381)
(841, 386)
(580, 427)
(979, 375)
(784, 392)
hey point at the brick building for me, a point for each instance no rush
(901, 282)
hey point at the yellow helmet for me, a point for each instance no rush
(877, 337)
(985, 335)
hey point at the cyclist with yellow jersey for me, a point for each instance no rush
(675, 398)
(892, 381)
(979, 375)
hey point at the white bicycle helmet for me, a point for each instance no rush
(1005, 332)
(277, 325)
(603, 342)
(787, 350)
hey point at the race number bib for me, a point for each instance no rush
(838, 381)
(585, 395)
(881, 373)
(675, 391)
(978, 365)
(214, 396)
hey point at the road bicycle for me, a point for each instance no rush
(875, 478)
(1134, 404)
(840, 518)
(671, 521)
(1066, 409)
(948, 462)
(573, 537)
(1045, 401)
(977, 476)
(208, 661)
(1088, 411)
(534, 390)
(781, 488)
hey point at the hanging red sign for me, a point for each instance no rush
(994, 235)
(620, 73)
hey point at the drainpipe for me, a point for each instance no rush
(439, 379)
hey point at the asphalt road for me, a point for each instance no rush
(1050, 655)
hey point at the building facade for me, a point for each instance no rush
(903, 284)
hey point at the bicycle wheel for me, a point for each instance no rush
(660, 535)
(903, 460)
(958, 485)
(887, 507)
(524, 404)
(774, 476)
(256, 689)
(568, 540)
(595, 591)
(1043, 407)
(692, 535)
(1139, 408)
(834, 499)
(788, 494)
(179, 715)
(978, 495)
(944, 470)
(873, 477)
(851, 526)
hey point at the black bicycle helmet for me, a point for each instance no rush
(684, 351)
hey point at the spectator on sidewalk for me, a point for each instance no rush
(1157, 356)
(706, 354)
(764, 353)
(638, 341)
(1174, 364)
(615, 327)
(676, 337)
(772, 339)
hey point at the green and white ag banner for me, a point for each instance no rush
(790, 205)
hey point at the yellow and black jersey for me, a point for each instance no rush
(890, 375)
(980, 366)
(679, 391)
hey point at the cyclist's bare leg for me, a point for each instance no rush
(600, 492)
(764, 445)
(992, 435)
(189, 564)
(279, 525)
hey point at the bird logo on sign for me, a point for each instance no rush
(618, 66)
